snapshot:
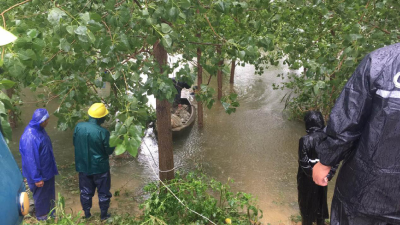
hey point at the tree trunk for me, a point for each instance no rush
(199, 83)
(232, 80)
(12, 117)
(163, 109)
(219, 73)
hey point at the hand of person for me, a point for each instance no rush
(320, 172)
(39, 184)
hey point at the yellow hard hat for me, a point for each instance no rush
(98, 110)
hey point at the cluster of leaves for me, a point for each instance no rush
(210, 198)
(5, 106)
(326, 40)
(72, 48)
(126, 137)
(230, 103)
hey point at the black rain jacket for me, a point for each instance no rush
(312, 198)
(367, 113)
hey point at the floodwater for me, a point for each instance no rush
(256, 147)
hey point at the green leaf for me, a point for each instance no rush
(94, 16)
(185, 4)
(26, 55)
(120, 149)
(233, 96)
(6, 100)
(128, 121)
(226, 105)
(85, 17)
(167, 41)
(115, 140)
(220, 6)
(133, 146)
(55, 14)
(135, 131)
(2, 108)
(64, 45)
(165, 28)
(173, 12)
(15, 67)
(94, 26)
(316, 89)
(6, 127)
(82, 33)
(33, 33)
(6, 84)
(182, 15)
(92, 38)
(116, 75)
(125, 41)
(98, 83)
(81, 30)
(145, 12)
(242, 54)
(110, 4)
(71, 29)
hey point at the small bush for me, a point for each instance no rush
(208, 197)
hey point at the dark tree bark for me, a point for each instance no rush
(165, 153)
(232, 80)
(219, 73)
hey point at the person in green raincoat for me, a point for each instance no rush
(92, 151)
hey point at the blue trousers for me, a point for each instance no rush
(88, 185)
(44, 198)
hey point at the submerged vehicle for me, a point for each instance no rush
(13, 198)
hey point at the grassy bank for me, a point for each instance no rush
(190, 199)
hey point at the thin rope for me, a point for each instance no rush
(180, 201)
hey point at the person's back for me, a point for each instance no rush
(91, 149)
(366, 113)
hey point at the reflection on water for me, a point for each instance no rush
(256, 147)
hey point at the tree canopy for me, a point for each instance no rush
(71, 47)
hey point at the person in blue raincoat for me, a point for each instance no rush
(38, 163)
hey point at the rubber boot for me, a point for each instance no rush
(87, 214)
(306, 221)
(104, 215)
(320, 221)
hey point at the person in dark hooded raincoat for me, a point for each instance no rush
(92, 152)
(366, 115)
(311, 197)
(38, 163)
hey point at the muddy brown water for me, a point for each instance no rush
(256, 147)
